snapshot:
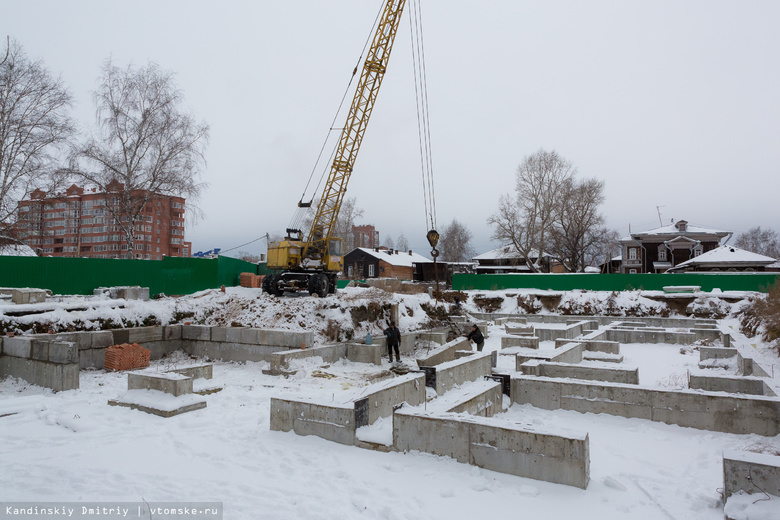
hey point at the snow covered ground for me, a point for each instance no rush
(72, 446)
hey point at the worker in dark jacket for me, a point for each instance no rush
(393, 336)
(476, 336)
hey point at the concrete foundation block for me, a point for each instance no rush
(360, 353)
(17, 347)
(517, 330)
(63, 352)
(101, 339)
(383, 397)
(539, 393)
(568, 371)
(171, 332)
(219, 334)
(232, 334)
(24, 296)
(736, 385)
(251, 337)
(438, 436)
(56, 376)
(444, 353)
(121, 336)
(453, 373)
(169, 383)
(196, 332)
(329, 421)
(550, 457)
(92, 358)
(485, 400)
(204, 371)
(40, 349)
(144, 334)
(520, 341)
(81, 339)
(751, 473)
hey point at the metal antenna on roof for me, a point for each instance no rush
(658, 209)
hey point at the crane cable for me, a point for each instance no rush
(301, 213)
(423, 118)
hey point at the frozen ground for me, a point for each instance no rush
(72, 446)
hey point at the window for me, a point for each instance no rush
(662, 254)
(371, 268)
(697, 250)
(632, 271)
(632, 253)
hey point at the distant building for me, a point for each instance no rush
(81, 223)
(660, 249)
(362, 262)
(364, 236)
(725, 258)
(507, 259)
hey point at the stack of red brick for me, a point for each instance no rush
(127, 356)
(251, 280)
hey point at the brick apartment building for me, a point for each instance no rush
(363, 236)
(80, 223)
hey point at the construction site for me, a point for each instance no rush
(552, 401)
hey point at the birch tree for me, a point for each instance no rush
(527, 219)
(455, 243)
(35, 127)
(578, 222)
(144, 140)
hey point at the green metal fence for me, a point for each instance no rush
(82, 275)
(615, 282)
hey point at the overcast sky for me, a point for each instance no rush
(672, 103)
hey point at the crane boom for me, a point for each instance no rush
(354, 129)
(314, 262)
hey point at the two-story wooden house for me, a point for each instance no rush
(660, 249)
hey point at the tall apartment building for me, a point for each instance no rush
(80, 223)
(364, 236)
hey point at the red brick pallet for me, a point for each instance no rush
(126, 356)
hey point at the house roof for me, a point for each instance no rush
(400, 259)
(504, 252)
(673, 229)
(727, 255)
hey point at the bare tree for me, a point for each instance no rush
(144, 140)
(577, 221)
(34, 126)
(762, 241)
(603, 248)
(402, 244)
(348, 214)
(527, 220)
(388, 242)
(455, 243)
(248, 257)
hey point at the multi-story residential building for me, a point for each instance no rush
(363, 236)
(88, 223)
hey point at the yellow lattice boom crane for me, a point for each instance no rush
(312, 263)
